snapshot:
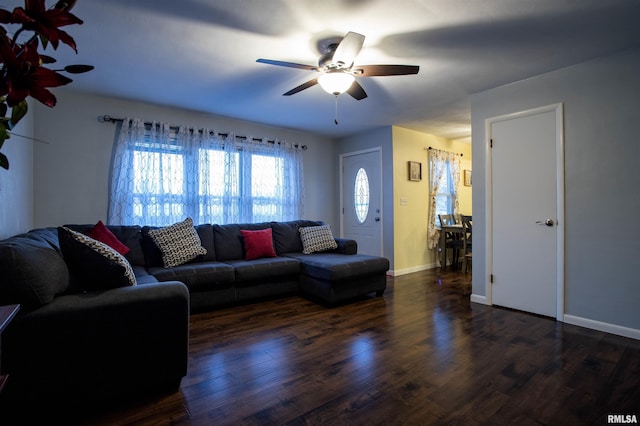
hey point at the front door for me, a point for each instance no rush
(362, 200)
(527, 208)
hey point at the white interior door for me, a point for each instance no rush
(527, 211)
(362, 200)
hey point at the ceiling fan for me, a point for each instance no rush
(337, 70)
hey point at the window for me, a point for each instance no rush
(160, 177)
(445, 197)
(361, 195)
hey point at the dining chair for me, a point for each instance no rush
(467, 238)
(446, 219)
(452, 240)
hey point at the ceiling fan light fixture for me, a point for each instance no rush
(336, 82)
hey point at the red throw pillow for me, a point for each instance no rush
(257, 244)
(101, 233)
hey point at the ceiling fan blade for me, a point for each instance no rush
(357, 91)
(382, 70)
(288, 64)
(300, 88)
(347, 50)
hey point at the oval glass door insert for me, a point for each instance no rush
(361, 195)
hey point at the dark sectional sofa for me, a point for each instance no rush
(223, 276)
(83, 345)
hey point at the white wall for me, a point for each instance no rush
(602, 172)
(71, 172)
(16, 184)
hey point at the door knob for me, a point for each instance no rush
(377, 219)
(548, 222)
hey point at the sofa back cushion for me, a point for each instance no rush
(129, 235)
(228, 239)
(286, 237)
(33, 270)
(153, 256)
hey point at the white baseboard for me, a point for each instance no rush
(479, 299)
(398, 272)
(602, 326)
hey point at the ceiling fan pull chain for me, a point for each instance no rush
(335, 119)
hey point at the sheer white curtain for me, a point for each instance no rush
(441, 163)
(274, 171)
(160, 176)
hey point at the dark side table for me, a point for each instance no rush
(6, 315)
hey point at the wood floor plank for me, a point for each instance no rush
(421, 354)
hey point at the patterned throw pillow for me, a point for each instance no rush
(93, 265)
(178, 243)
(317, 238)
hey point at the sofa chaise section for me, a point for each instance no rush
(333, 278)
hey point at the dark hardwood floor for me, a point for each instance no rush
(421, 354)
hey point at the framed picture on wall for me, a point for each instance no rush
(467, 178)
(415, 171)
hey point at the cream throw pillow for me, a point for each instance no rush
(178, 243)
(317, 238)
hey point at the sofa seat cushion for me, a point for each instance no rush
(338, 267)
(249, 271)
(196, 276)
(143, 276)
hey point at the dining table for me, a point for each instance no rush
(456, 229)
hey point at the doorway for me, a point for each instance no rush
(361, 188)
(526, 211)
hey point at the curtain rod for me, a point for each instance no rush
(461, 155)
(108, 119)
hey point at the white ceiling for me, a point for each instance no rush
(201, 54)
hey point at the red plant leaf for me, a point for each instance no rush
(34, 17)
